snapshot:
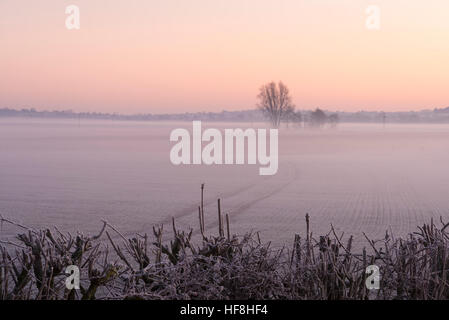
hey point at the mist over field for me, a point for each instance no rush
(359, 177)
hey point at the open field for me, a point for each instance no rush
(359, 177)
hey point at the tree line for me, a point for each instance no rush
(275, 102)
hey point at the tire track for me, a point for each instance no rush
(236, 209)
(241, 207)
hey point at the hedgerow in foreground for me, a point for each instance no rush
(223, 266)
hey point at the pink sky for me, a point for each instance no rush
(208, 55)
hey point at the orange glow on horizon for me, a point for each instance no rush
(166, 56)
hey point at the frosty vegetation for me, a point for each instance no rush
(221, 266)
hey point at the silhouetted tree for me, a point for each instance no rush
(275, 102)
(334, 119)
(318, 118)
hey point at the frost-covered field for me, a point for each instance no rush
(359, 177)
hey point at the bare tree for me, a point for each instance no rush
(275, 102)
(318, 118)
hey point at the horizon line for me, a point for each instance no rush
(40, 110)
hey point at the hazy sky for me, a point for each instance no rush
(208, 55)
